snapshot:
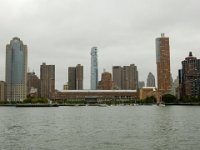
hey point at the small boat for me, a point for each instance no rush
(135, 104)
(161, 104)
(103, 105)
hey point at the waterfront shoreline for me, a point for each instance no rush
(57, 105)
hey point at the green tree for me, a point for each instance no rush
(168, 98)
(150, 100)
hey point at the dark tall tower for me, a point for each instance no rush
(117, 77)
(163, 63)
(75, 77)
(47, 77)
(72, 78)
(79, 77)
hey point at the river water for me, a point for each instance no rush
(100, 128)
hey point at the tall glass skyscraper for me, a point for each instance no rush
(94, 68)
(16, 70)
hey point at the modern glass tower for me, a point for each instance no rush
(94, 68)
(16, 70)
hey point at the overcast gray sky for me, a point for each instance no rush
(62, 32)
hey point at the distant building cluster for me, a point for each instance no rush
(20, 84)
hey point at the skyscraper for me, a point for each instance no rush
(75, 77)
(163, 63)
(151, 80)
(94, 68)
(126, 77)
(72, 78)
(189, 76)
(79, 77)
(47, 79)
(117, 77)
(129, 77)
(16, 70)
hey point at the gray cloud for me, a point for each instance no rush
(63, 32)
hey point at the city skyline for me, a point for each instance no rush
(123, 29)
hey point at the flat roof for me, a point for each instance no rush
(97, 91)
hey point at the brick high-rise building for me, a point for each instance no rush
(47, 79)
(189, 77)
(163, 63)
(16, 70)
(33, 84)
(106, 81)
(75, 77)
(79, 77)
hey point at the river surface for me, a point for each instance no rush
(100, 128)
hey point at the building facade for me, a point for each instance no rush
(163, 63)
(117, 77)
(129, 77)
(189, 77)
(33, 84)
(16, 70)
(126, 77)
(47, 79)
(106, 81)
(79, 77)
(2, 91)
(72, 78)
(97, 94)
(147, 92)
(151, 80)
(75, 77)
(94, 68)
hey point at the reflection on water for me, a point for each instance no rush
(100, 128)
